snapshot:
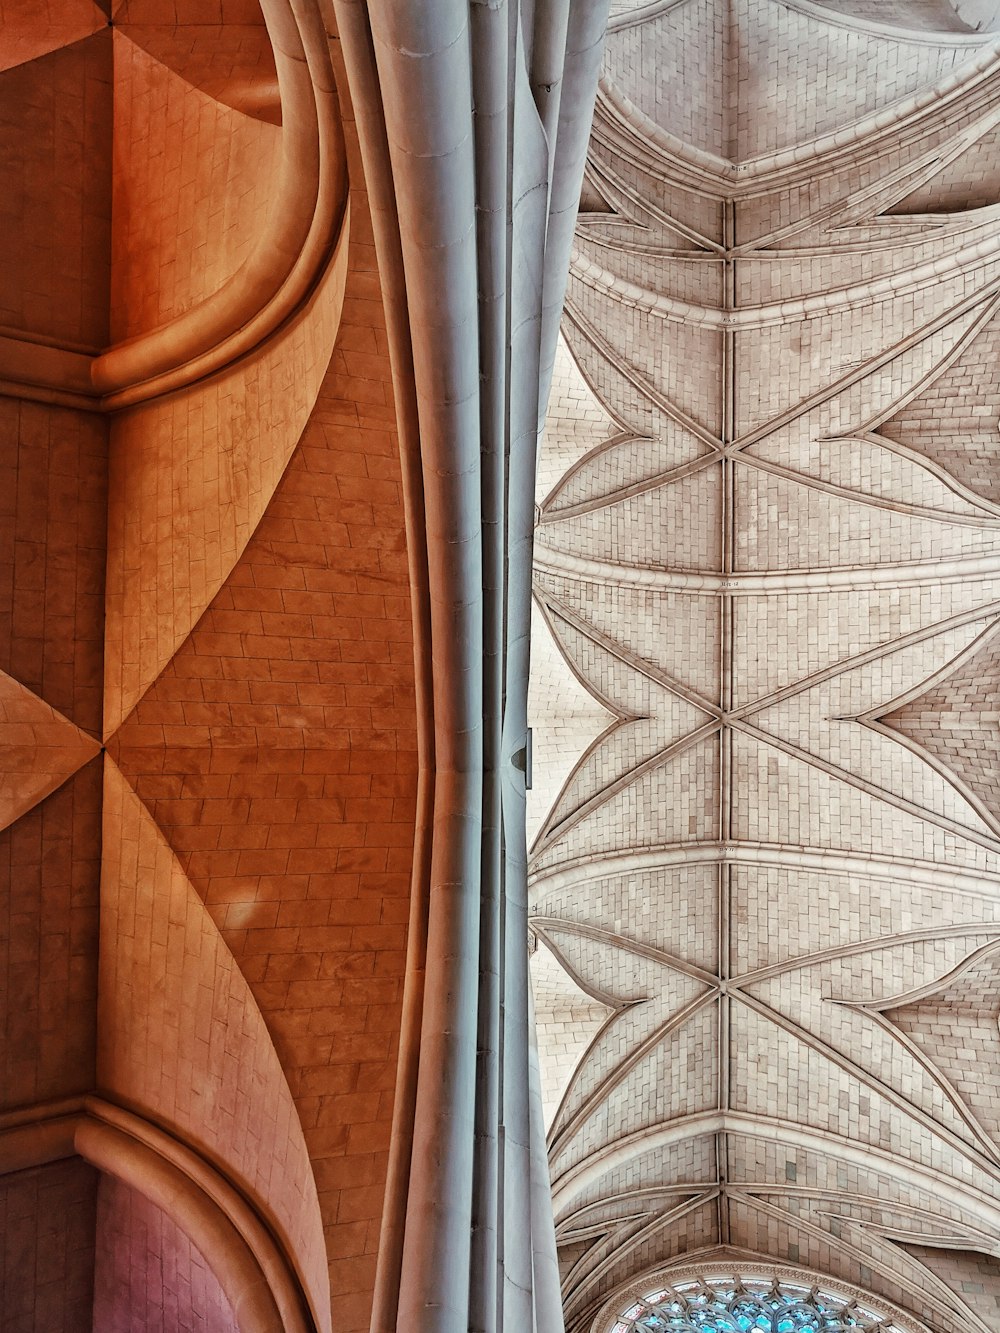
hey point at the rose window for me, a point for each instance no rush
(746, 1305)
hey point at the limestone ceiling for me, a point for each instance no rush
(766, 663)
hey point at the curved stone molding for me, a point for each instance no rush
(974, 77)
(43, 373)
(174, 246)
(970, 258)
(170, 1048)
(773, 582)
(289, 255)
(232, 62)
(255, 1273)
(805, 1279)
(304, 234)
(210, 459)
(981, 1199)
(901, 20)
(951, 1024)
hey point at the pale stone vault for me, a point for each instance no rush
(765, 672)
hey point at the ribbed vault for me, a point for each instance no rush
(768, 550)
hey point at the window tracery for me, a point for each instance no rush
(735, 1304)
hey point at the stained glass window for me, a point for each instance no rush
(746, 1305)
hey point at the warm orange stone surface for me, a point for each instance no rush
(181, 1039)
(53, 484)
(32, 28)
(219, 46)
(182, 15)
(216, 582)
(39, 749)
(55, 212)
(47, 1249)
(190, 476)
(53, 498)
(278, 754)
(193, 185)
(49, 866)
(148, 1275)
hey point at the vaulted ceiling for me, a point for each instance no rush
(766, 661)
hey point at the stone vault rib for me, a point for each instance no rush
(813, 350)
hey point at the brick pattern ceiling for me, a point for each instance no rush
(765, 668)
(207, 722)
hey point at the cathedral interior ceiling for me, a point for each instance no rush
(191, 912)
(765, 821)
(766, 804)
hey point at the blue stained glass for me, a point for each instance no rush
(751, 1305)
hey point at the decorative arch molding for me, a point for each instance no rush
(738, 1263)
(632, 18)
(926, 874)
(980, 15)
(774, 582)
(307, 222)
(306, 233)
(616, 1234)
(968, 258)
(978, 1205)
(906, 119)
(894, 31)
(869, 209)
(226, 1225)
